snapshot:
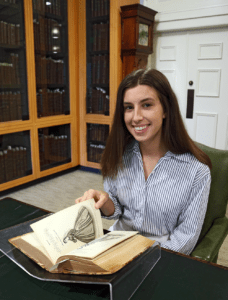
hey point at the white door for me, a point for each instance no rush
(207, 77)
(196, 64)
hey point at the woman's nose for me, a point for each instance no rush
(137, 116)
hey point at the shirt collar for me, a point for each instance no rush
(186, 157)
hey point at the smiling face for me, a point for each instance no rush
(143, 115)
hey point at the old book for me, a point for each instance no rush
(72, 241)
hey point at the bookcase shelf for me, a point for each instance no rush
(48, 91)
(83, 146)
(99, 79)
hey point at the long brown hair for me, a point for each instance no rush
(175, 135)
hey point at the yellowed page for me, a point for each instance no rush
(69, 229)
(102, 244)
(32, 239)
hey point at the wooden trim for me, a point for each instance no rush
(55, 169)
(115, 54)
(16, 182)
(35, 153)
(128, 2)
(30, 59)
(73, 41)
(82, 81)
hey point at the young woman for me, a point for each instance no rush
(156, 180)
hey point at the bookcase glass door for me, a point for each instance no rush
(13, 75)
(15, 156)
(54, 146)
(97, 37)
(51, 57)
(97, 135)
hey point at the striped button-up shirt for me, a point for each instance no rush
(169, 206)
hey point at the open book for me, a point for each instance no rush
(72, 241)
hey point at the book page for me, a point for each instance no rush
(69, 229)
(102, 244)
(32, 239)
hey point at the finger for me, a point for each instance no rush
(102, 200)
(78, 200)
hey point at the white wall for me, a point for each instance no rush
(186, 14)
(182, 5)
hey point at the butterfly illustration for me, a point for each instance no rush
(83, 230)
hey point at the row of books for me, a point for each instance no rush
(97, 132)
(13, 163)
(11, 1)
(51, 6)
(10, 106)
(100, 69)
(50, 102)
(98, 102)
(9, 33)
(95, 152)
(100, 37)
(52, 148)
(9, 72)
(47, 35)
(99, 8)
(49, 71)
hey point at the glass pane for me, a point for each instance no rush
(97, 30)
(15, 156)
(96, 140)
(54, 146)
(13, 74)
(51, 57)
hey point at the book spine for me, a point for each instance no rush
(11, 106)
(10, 172)
(17, 69)
(1, 32)
(19, 106)
(24, 161)
(95, 33)
(1, 108)
(98, 69)
(2, 167)
(8, 30)
(4, 33)
(7, 176)
(7, 107)
(13, 34)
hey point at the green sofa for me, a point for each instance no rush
(215, 227)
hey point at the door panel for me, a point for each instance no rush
(196, 64)
(208, 70)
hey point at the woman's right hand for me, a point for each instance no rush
(102, 200)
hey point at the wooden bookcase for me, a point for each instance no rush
(35, 130)
(88, 120)
(28, 131)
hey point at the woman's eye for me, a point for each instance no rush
(147, 104)
(127, 107)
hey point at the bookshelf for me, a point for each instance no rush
(52, 122)
(39, 129)
(100, 74)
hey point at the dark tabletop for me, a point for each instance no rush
(175, 276)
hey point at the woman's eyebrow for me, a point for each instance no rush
(146, 99)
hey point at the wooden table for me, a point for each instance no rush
(175, 276)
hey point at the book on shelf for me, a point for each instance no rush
(72, 241)
(99, 8)
(100, 36)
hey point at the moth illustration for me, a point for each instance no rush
(83, 230)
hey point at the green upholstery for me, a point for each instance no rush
(215, 227)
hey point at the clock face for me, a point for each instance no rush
(143, 34)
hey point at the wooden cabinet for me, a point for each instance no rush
(98, 90)
(54, 125)
(39, 89)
